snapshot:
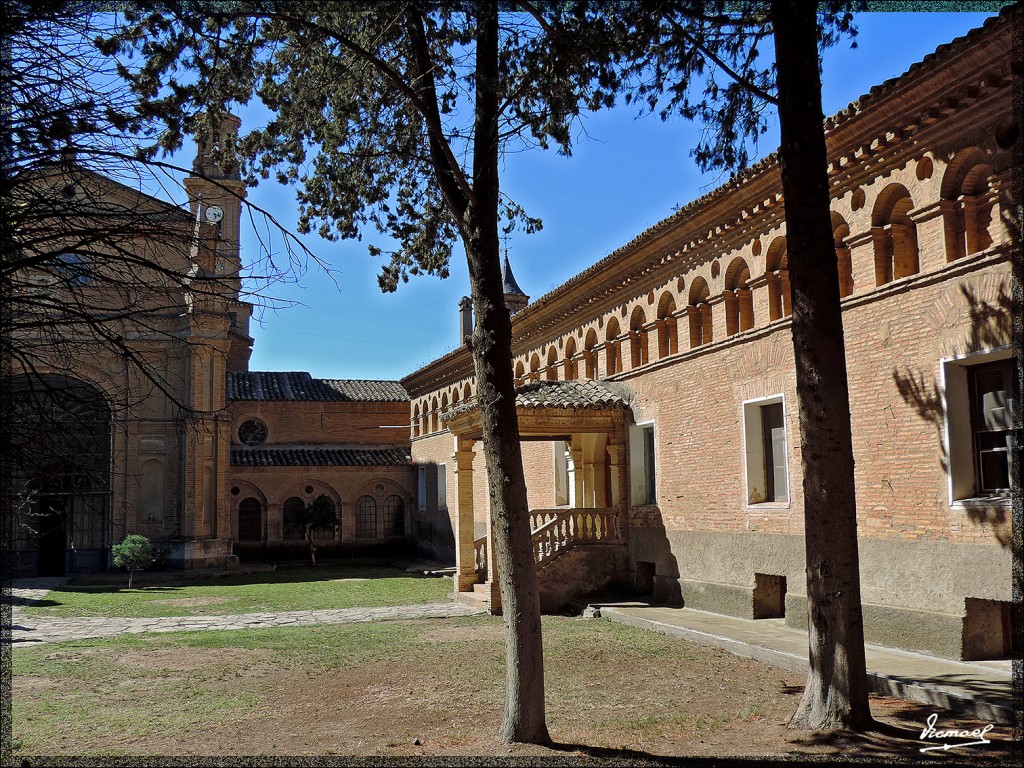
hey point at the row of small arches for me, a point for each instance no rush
(371, 523)
(967, 202)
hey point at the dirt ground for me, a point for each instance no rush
(708, 703)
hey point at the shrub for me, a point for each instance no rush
(133, 554)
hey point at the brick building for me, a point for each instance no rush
(656, 396)
(172, 436)
(657, 403)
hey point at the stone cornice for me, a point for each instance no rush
(873, 132)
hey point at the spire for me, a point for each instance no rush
(515, 299)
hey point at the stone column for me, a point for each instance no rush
(577, 462)
(275, 523)
(617, 462)
(465, 565)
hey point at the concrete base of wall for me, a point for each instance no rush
(937, 634)
(719, 572)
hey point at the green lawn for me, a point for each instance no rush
(286, 589)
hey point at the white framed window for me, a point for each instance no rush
(765, 450)
(421, 487)
(643, 486)
(442, 487)
(979, 403)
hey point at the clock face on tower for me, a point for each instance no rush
(214, 214)
(252, 432)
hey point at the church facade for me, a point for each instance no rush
(656, 397)
(153, 423)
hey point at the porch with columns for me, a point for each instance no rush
(592, 419)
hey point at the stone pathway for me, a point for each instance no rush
(29, 630)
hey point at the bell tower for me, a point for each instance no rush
(216, 193)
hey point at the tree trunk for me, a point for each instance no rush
(312, 547)
(523, 719)
(836, 695)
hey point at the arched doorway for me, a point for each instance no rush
(59, 449)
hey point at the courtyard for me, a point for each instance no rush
(429, 687)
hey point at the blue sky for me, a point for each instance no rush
(624, 176)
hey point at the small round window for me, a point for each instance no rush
(252, 432)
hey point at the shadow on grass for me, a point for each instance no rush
(617, 754)
(171, 582)
(29, 601)
(903, 743)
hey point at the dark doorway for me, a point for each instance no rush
(59, 443)
(53, 537)
(769, 596)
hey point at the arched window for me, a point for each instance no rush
(637, 338)
(394, 516)
(967, 203)
(520, 373)
(444, 407)
(416, 420)
(895, 235)
(534, 367)
(433, 414)
(668, 335)
(844, 260)
(467, 392)
(739, 300)
(777, 271)
(613, 355)
(292, 511)
(366, 518)
(570, 363)
(326, 534)
(250, 520)
(590, 354)
(551, 374)
(701, 331)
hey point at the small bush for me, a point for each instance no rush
(133, 554)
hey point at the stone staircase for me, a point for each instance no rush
(577, 551)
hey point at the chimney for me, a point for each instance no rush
(465, 319)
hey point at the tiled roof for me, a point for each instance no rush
(300, 386)
(319, 457)
(585, 393)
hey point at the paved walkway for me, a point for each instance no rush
(29, 630)
(981, 689)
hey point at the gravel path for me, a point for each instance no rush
(29, 630)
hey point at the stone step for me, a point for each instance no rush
(474, 598)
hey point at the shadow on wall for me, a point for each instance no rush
(432, 530)
(656, 570)
(977, 432)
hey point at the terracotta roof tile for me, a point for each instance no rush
(300, 386)
(319, 457)
(585, 393)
